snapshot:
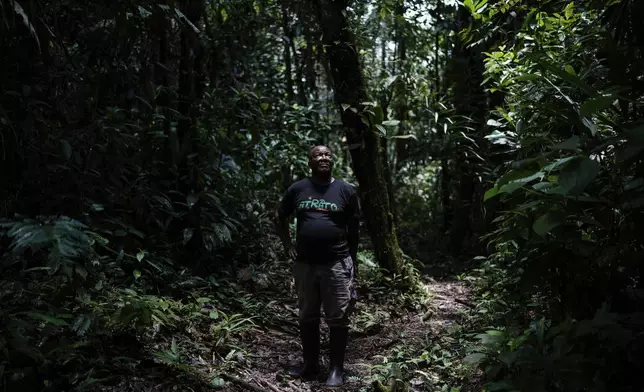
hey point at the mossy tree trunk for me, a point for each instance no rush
(364, 142)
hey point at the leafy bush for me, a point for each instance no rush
(586, 355)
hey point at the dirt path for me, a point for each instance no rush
(380, 331)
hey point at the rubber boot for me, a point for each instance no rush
(310, 336)
(338, 342)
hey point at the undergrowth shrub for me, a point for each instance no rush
(523, 348)
(584, 355)
(83, 296)
(378, 284)
(556, 300)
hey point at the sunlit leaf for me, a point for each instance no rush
(381, 129)
(490, 193)
(390, 80)
(527, 77)
(217, 382)
(17, 8)
(569, 10)
(494, 123)
(407, 136)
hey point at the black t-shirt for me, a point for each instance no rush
(322, 213)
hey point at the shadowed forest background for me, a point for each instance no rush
(497, 147)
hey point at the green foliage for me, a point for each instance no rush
(144, 146)
(572, 355)
(378, 284)
(565, 193)
(230, 325)
(65, 241)
(564, 196)
(435, 365)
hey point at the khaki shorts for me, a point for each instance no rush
(331, 286)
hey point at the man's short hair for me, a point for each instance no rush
(318, 146)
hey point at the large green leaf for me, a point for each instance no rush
(474, 358)
(567, 76)
(634, 145)
(25, 20)
(379, 115)
(511, 181)
(515, 175)
(527, 77)
(548, 221)
(511, 187)
(578, 174)
(540, 186)
(596, 104)
(381, 130)
(528, 178)
(490, 193)
(557, 163)
(570, 144)
(47, 318)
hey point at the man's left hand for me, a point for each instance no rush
(354, 258)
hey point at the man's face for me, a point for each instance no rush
(321, 160)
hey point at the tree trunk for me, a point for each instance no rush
(288, 72)
(401, 99)
(363, 142)
(400, 153)
(470, 102)
(446, 192)
(189, 93)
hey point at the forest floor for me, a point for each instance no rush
(381, 332)
(259, 341)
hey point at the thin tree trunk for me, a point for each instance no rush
(298, 63)
(364, 143)
(469, 103)
(287, 174)
(401, 101)
(310, 63)
(445, 180)
(384, 143)
(437, 32)
(288, 62)
(189, 91)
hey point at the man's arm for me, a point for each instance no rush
(281, 227)
(282, 220)
(353, 227)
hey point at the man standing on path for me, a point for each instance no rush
(327, 212)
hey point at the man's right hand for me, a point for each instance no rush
(291, 251)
